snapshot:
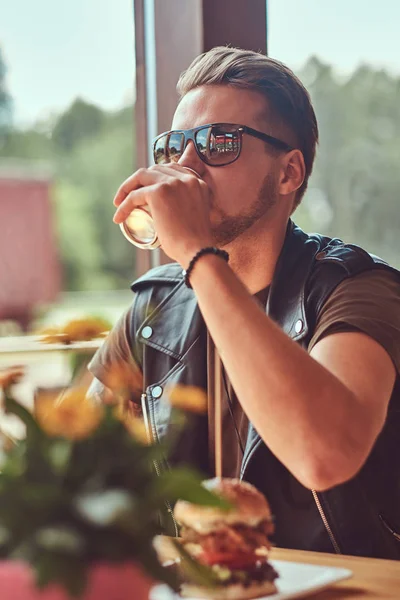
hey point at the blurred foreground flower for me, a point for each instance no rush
(124, 379)
(188, 398)
(70, 415)
(10, 376)
(53, 335)
(76, 330)
(105, 507)
(82, 489)
(134, 424)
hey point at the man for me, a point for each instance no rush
(308, 328)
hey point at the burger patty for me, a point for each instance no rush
(264, 572)
(258, 574)
(240, 537)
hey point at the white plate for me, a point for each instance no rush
(296, 580)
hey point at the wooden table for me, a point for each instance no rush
(372, 578)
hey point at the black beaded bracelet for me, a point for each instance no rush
(208, 250)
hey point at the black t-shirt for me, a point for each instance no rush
(298, 523)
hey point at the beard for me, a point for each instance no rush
(229, 228)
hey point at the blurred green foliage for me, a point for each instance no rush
(354, 190)
(68, 502)
(90, 152)
(5, 102)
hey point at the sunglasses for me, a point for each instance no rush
(217, 144)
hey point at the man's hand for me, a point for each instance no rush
(179, 202)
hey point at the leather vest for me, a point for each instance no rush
(168, 333)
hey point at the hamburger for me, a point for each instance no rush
(233, 543)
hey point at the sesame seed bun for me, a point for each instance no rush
(250, 507)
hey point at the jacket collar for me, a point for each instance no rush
(175, 323)
(289, 282)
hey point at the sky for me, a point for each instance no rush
(56, 51)
(344, 33)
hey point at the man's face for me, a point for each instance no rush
(247, 189)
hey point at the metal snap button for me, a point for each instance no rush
(147, 332)
(320, 255)
(157, 391)
(299, 326)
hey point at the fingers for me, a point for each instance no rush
(141, 178)
(191, 171)
(132, 200)
(145, 177)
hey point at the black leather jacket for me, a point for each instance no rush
(361, 516)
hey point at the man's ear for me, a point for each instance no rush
(293, 172)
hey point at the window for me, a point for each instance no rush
(67, 143)
(347, 54)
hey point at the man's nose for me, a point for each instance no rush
(191, 159)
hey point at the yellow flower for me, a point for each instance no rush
(127, 414)
(188, 398)
(88, 328)
(123, 378)
(137, 429)
(76, 330)
(10, 376)
(70, 415)
(52, 335)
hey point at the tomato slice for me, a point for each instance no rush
(230, 559)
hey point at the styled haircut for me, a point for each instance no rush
(287, 100)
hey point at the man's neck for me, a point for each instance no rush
(253, 256)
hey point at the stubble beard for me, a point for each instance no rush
(229, 228)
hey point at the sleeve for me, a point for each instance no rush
(113, 364)
(369, 303)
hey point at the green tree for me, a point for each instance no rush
(82, 120)
(77, 239)
(93, 252)
(28, 144)
(354, 190)
(89, 177)
(5, 102)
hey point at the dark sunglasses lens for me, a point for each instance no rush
(159, 150)
(218, 145)
(168, 148)
(174, 148)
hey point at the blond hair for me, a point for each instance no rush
(287, 98)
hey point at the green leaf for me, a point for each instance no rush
(147, 557)
(185, 484)
(13, 407)
(59, 454)
(79, 362)
(41, 495)
(5, 535)
(60, 538)
(15, 465)
(193, 570)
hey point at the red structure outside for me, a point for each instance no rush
(30, 272)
